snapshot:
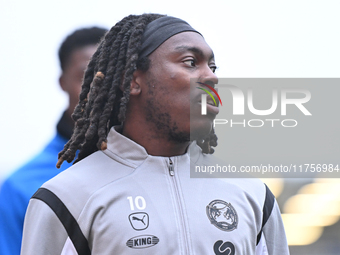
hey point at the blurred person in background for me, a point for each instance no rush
(16, 191)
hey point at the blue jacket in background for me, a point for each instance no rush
(18, 188)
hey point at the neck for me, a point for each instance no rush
(154, 142)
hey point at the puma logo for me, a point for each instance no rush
(142, 220)
(139, 220)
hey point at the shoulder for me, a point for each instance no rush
(97, 167)
(85, 178)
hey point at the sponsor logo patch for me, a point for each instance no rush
(224, 248)
(139, 221)
(222, 215)
(141, 242)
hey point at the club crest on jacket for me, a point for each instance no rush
(222, 215)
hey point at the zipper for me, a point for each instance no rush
(171, 168)
(179, 206)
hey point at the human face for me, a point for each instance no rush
(72, 76)
(170, 95)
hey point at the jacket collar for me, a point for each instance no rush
(123, 149)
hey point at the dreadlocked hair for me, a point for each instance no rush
(106, 87)
(207, 143)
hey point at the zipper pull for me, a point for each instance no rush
(171, 168)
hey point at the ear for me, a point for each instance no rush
(135, 86)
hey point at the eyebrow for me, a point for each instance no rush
(194, 50)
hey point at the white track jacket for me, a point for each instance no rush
(124, 201)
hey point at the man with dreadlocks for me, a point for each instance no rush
(18, 188)
(130, 190)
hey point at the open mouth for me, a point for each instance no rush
(209, 107)
(211, 102)
(212, 108)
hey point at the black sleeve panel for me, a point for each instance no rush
(70, 224)
(267, 210)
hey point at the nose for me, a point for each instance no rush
(209, 77)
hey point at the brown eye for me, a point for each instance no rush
(213, 68)
(190, 62)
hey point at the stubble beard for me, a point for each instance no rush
(159, 116)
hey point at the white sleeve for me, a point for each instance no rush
(274, 235)
(261, 248)
(271, 240)
(69, 248)
(43, 232)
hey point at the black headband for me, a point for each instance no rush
(160, 30)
